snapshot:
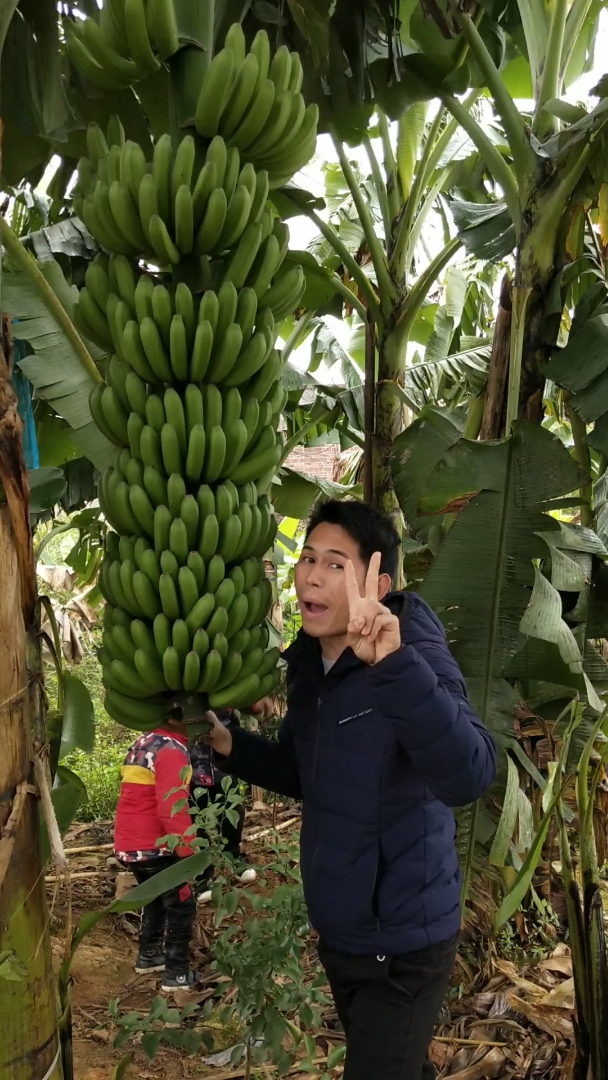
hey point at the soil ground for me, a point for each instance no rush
(501, 1018)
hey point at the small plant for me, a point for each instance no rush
(274, 1000)
(163, 1024)
(262, 954)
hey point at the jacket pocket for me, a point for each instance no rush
(340, 888)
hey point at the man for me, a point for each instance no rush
(154, 777)
(378, 741)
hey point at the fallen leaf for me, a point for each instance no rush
(531, 989)
(561, 964)
(438, 1054)
(489, 1066)
(543, 1017)
(562, 996)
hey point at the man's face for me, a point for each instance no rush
(319, 579)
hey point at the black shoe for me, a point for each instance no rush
(146, 965)
(179, 980)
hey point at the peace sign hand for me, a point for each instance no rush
(372, 632)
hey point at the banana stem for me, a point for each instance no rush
(398, 254)
(300, 434)
(423, 213)
(520, 297)
(195, 25)
(574, 24)
(348, 296)
(550, 79)
(350, 263)
(390, 168)
(524, 159)
(535, 26)
(297, 334)
(378, 255)
(418, 293)
(379, 185)
(25, 262)
(491, 156)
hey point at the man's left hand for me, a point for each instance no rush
(373, 631)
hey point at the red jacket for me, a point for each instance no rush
(155, 764)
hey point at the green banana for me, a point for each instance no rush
(154, 350)
(162, 527)
(148, 204)
(244, 256)
(200, 613)
(196, 452)
(241, 95)
(209, 309)
(172, 669)
(211, 672)
(215, 572)
(205, 184)
(178, 541)
(211, 226)
(162, 312)
(184, 306)
(170, 449)
(224, 358)
(188, 590)
(137, 36)
(193, 404)
(214, 93)
(217, 152)
(162, 171)
(184, 164)
(161, 242)
(215, 454)
(255, 118)
(178, 349)
(160, 17)
(155, 413)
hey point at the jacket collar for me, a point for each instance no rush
(305, 651)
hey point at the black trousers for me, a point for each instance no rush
(388, 1007)
(232, 834)
(166, 923)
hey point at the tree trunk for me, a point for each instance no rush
(389, 423)
(29, 1046)
(493, 423)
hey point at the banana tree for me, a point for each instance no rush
(372, 240)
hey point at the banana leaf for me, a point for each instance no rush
(53, 367)
(481, 583)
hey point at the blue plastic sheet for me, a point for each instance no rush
(23, 391)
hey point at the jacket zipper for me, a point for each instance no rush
(316, 758)
(375, 911)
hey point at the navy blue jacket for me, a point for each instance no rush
(378, 755)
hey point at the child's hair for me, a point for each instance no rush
(369, 528)
(176, 713)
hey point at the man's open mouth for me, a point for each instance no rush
(314, 609)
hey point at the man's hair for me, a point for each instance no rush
(369, 528)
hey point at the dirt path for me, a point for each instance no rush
(501, 1019)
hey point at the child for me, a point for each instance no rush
(207, 780)
(155, 765)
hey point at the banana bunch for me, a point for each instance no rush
(191, 627)
(167, 208)
(191, 393)
(170, 336)
(128, 43)
(254, 102)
